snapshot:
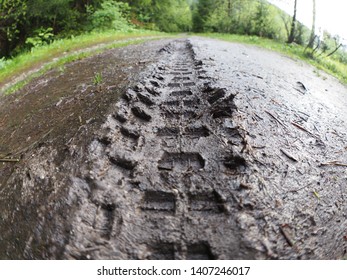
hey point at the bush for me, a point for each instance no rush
(3, 63)
(111, 15)
(41, 36)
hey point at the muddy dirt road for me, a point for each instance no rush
(188, 149)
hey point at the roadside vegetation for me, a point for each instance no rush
(258, 22)
(62, 51)
(33, 32)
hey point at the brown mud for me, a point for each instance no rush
(187, 149)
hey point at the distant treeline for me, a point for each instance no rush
(25, 24)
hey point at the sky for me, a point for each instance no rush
(331, 14)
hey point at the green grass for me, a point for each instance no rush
(64, 51)
(327, 64)
(97, 80)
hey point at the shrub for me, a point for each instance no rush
(3, 63)
(41, 36)
(111, 15)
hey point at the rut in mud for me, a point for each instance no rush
(163, 176)
(200, 150)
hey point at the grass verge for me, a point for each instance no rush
(42, 59)
(327, 64)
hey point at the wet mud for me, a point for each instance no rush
(201, 151)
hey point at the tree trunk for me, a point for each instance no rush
(229, 8)
(286, 24)
(313, 35)
(292, 30)
(336, 49)
(4, 45)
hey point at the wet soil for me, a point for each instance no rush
(188, 149)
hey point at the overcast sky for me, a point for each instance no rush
(331, 14)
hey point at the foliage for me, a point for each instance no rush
(165, 15)
(97, 80)
(201, 15)
(111, 15)
(29, 23)
(173, 16)
(41, 37)
(12, 18)
(3, 63)
(251, 17)
(57, 14)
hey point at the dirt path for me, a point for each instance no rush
(211, 153)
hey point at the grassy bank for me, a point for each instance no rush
(16, 72)
(44, 58)
(327, 64)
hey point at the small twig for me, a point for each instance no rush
(334, 163)
(259, 147)
(165, 168)
(299, 189)
(335, 132)
(287, 235)
(33, 144)
(9, 160)
(95, 248)
(276, 102)
(276, 119)
(289, 155)
(316, 128)
(302, 128)
(303, 113)
(257, 76)
(260, 118)
(245, 186)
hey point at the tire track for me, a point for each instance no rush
(163, 179)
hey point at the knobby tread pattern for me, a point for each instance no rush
(162, 183)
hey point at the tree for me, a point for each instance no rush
(111, 15)
(12, 18)
(201, 14)
(338, 45)
(57, 14)
(286, 22)
(299, 37)
(313, 33)
(331, 44)
(261, 22)
(166, 15)
(172, 15)
(291, 37)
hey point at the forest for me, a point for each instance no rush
(26, 24)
